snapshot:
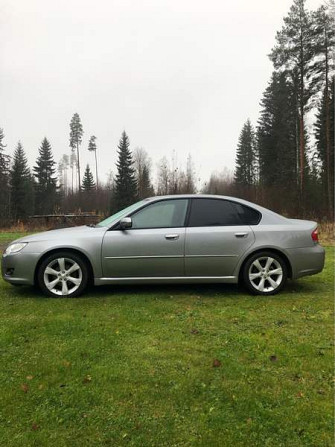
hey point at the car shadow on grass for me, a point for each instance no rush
(197, 290)
(167, 290)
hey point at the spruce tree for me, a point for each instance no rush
(276, 134)
(92, 147)
(88, 181)
(146, 189)
(245, 170)
(46, 180)
(76, 135)
(21, 186)
(125, 192)
(4, 180)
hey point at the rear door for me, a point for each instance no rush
(216, 237)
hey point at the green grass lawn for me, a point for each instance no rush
(168, 366)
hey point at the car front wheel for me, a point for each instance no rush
(265, 273)
(63, 274)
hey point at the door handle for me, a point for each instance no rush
(172, 237)
(240, 235)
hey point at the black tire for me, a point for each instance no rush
(65, 284)
(261, 276)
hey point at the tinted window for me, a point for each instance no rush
(212, 212)
(247, 215)
(165, 214)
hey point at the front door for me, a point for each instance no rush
(153, 247)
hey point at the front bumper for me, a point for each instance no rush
(306, 261)
(19, 268)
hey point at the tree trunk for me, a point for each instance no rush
(329, 182)
(78, 167)
(301, 121)
(96, 168)
(302, 152)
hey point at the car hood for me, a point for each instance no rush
(62, 233)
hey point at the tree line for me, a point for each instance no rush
(49, 188)
(287, 159)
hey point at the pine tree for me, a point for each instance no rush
(323, 24)
(3, 157)
(294, 53)
(73, 164)
(324, 136)
(76, 135)
(46, 180)
(125, 182)
(92, 147)
(88, 184)
(324, 41)
(4, 180)
(245, 170)
(21, 186)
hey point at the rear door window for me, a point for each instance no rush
(219, 212)
(212, 212)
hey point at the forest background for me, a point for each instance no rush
(284, 161)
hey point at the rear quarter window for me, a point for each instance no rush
(247, 215)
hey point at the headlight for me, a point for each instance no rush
(15, 248)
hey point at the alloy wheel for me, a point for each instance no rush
(265, 274)
(62, 276)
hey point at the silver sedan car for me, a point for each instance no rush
(170, 239)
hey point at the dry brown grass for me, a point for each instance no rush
(326, 233)
(21, 227)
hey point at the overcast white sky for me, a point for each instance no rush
(179, 75)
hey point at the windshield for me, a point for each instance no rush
(123, 213)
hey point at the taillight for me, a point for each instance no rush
(315, 235)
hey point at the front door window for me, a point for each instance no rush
(164, 214)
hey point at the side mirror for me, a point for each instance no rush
(126, 223)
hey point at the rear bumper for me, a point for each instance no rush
(19, 268)
(306, 261)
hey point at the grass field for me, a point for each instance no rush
(168, 366)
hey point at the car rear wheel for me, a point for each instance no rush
(265, 273)
(63, 274)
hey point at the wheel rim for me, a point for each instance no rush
(63, 276)
(265, 274)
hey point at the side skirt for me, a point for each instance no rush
(168, 280)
